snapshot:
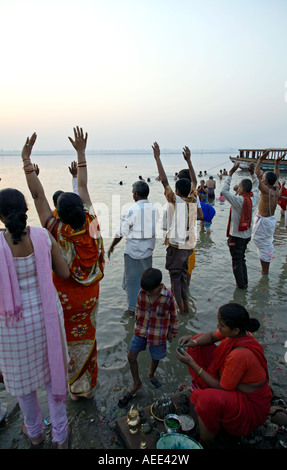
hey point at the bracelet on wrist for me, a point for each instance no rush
(199, 372)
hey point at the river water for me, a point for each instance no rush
(212, 283)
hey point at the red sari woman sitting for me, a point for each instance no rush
(230, 388)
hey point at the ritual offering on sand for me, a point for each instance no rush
(162, 407)
(133, 420)
(187, 423)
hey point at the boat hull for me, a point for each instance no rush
(265, 165)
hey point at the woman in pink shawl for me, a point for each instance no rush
(32, 343)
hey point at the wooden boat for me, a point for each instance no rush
(247, 156)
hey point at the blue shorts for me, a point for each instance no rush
(139, 344)
(207, 224)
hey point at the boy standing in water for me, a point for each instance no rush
(156, 322)
(181, 235)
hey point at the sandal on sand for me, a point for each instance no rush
(34, 440)
(156, 382)
(124, 401)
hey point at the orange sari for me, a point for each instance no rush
(79, 295)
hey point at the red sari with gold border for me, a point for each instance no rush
(79, 295)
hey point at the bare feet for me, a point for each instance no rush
(65, 444)
(135, 388)
(34, 440)
(74, 397)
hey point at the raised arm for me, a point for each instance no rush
(262, 186)
(234, 168)
(161, 172)
(79, 145)
(276, 166)
(259, 162)
(36, 189)
(187, 156)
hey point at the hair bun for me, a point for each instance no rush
(254, 325)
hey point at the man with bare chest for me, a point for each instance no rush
(265, 220)
(211, 185)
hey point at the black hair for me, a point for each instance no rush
(71, 210)
(183, 185)
(56, 196)
(151, 279)
(236, 316)
(142, 188)
(271, 177)
(13, 207)
(246, 184)
(184, 174)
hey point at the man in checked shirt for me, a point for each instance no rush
(156, 322)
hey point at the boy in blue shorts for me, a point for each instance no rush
(156, 322)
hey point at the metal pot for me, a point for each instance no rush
(172, 423)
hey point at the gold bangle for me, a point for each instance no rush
(199, 372)
(195, 342)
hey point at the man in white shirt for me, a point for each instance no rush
(239, 229)
(138, 226)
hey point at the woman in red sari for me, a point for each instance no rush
(78, 236)
(230, 388)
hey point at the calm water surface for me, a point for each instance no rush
(212, 282)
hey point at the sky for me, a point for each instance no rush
(204, 73)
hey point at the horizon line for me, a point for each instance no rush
(114, 151)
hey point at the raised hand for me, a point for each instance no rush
(156, 150)
(264, 155)
(251, 168)
(234, 168)
(186, 153)
(27, 149)
(36, 169)
(278, 159)
(80, 141)
(73, 169)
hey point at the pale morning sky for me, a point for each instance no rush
(202, 73)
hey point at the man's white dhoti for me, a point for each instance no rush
(263, 236)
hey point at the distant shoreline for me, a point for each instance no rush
(7, 153)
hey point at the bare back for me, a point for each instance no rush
(210, 183)
(268, 201)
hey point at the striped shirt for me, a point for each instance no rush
(153, 320)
